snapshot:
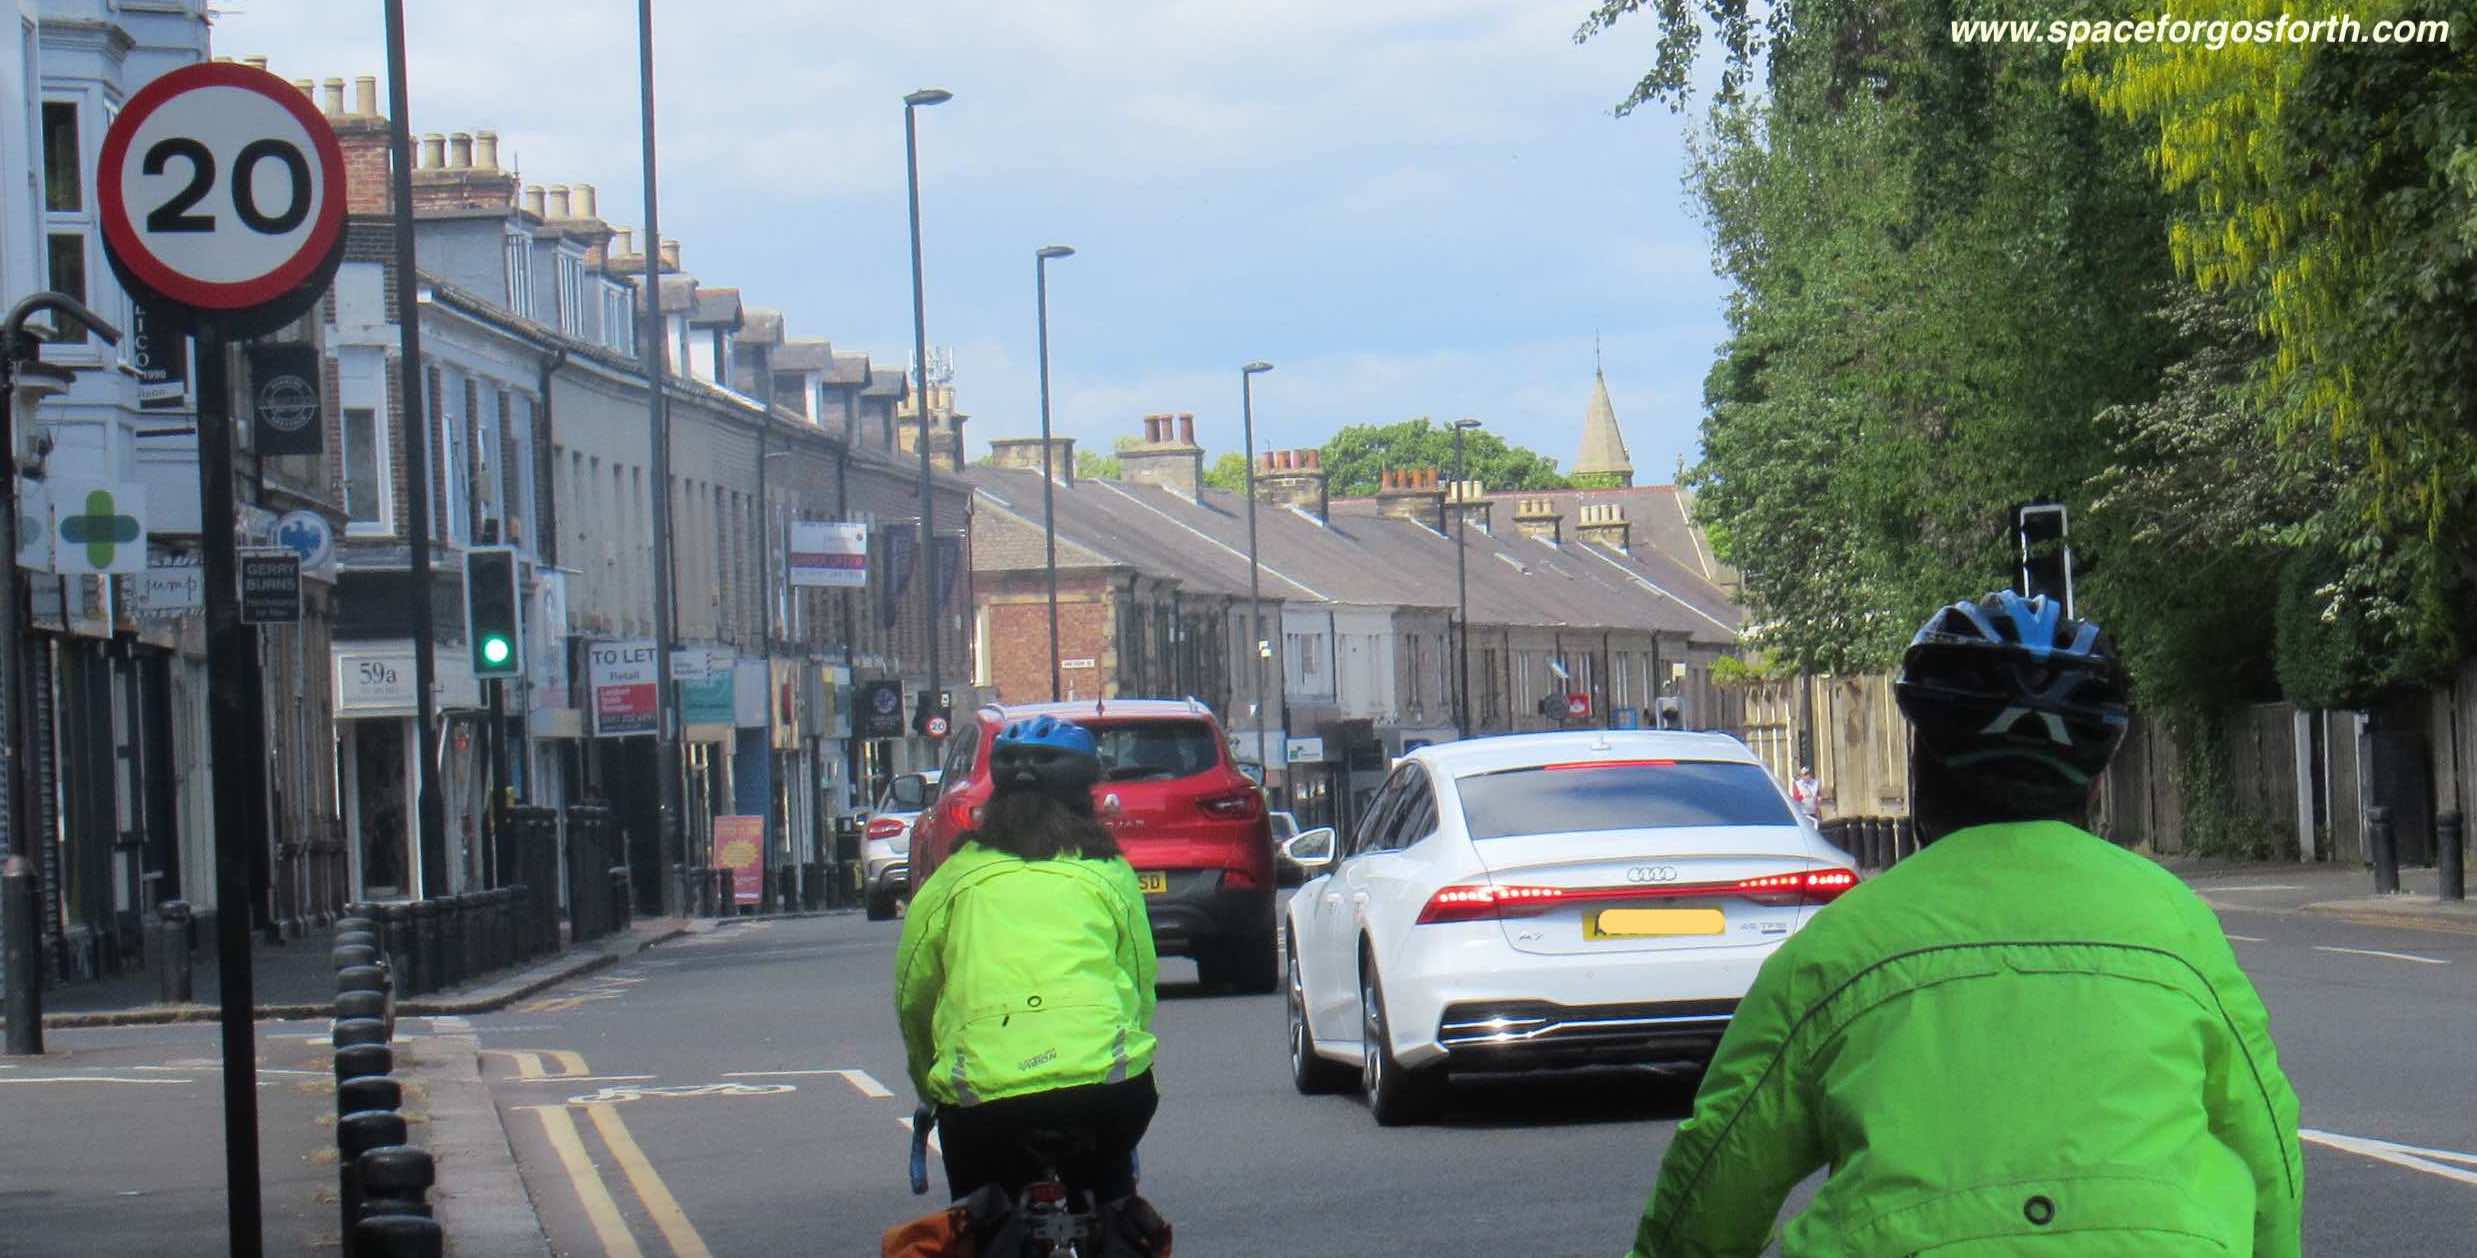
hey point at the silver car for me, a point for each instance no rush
(886, 853)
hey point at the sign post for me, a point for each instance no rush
(221, 192)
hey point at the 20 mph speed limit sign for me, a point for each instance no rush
(221, 190)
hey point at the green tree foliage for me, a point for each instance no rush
(1094, 465)
(1228, 473)
(1357, 456)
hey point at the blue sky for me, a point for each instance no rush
(1411, 207)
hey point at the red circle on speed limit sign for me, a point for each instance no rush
(221, 189)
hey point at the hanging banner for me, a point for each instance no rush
(877, 709)
(739, 846)
(159, 354)
(826, 555)
(900, 545)
(947, 554)
(625, 688)
(286, 403)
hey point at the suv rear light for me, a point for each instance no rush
(1476, 902)
(885, 828)
(1240, 880)
(1243, 805)
(964, 820)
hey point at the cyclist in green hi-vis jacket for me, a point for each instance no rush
(2023, 1040)
(1025, 979)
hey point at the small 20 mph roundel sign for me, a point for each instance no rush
(221, 190)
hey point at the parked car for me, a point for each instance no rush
(1543, 900)
(886, 869)
(1192, 825)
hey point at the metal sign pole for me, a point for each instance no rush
(232, 734)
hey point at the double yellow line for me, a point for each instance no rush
(567, 1139)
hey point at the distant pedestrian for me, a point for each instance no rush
(1807, 794)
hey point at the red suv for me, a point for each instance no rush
(1192, 825)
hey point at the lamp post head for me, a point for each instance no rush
(1046, 252)
(1465, 424)
(928, 96)
(1256, 368)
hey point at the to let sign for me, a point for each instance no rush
(270, 588)
(625, 687)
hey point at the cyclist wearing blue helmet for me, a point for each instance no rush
(1024, 982)
(2023, 1039)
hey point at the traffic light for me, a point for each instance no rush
(494, 618)
(2046, 553)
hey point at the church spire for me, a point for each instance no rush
(1603, 462)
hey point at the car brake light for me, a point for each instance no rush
(1475, 902)
(1569, 766)
(963, 818)
(1236, 806)
(1240, 880)
(885, 828)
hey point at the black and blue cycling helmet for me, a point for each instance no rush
(2023, 705)
(1049, 756)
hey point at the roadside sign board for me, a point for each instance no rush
(221, 192)
(828, 555)
(625, 687)
(172, 588)
(270, 587)
(739, 846)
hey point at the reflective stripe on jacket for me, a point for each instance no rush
(2022, 1041)
(1019, 976)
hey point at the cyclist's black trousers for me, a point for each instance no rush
(983, 1143)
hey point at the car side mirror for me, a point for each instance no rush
(1310, 849)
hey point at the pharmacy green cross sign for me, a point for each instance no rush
(102, 528)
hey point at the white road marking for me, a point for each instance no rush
(2248, 939)
(860, 1079)
(2407, 1155)
(2252, 886)
(2376, 952)
(577, 1079)
(86, 1079)
(934, 1146)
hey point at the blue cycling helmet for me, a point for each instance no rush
(2023, 705)
(1049, 756)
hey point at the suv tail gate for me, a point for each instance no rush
(1172, 800)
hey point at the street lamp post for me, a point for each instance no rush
(1049, 476)
(1462, 590)
(671, 836)
(912, 104)
(1255, 591)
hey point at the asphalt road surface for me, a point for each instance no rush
(762, 1111)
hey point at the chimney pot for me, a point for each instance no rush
(533, 201)
(556, 197)
(257, 61)
(1186, 427)
(1315, 460)
(623, 243)
(670, 254)
(335, 93)
(434, 151)
(585, 204)
(308, 87)
(486, 150)
(460, 151)
(365, 96)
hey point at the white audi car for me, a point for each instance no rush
(1543, 900)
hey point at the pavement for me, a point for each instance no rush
(2340, 891)
(297, 980)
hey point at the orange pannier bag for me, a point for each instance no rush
(946, 1234)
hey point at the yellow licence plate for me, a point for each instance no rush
(1153, 881)
(1645, 923)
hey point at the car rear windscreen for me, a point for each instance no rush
(1633, 795)
(1156, 751)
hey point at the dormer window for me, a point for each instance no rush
(520, 273)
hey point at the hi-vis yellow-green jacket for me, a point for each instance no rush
(2023, 1042)
(1020, 976)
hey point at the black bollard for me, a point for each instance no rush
(350, 1031)
(2449, 865)
(355, 1134)
(362, 1004)
(362, 1060)
(172, 953)
(351, 922)
(474, 908)
(396, 1179)
(351, 955)
(623, 897)
(368, 1092)
(1904, 838)
(396, 940)
(503, 926)
(521, 931)
(428, 944)
(398, 1236)
(2382, 850)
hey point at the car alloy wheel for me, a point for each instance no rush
(1313, 1075)
(1371, 1037)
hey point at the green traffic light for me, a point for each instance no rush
(495, 650)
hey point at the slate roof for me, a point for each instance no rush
(801, 353)
(849, 369)
(718, 306)
(763, 327)
(884, 383)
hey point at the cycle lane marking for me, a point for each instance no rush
(864, 1082)
(601, 1211)
(934, 1146)
(2413, 1157)
(669, 1219)
(2377, 952)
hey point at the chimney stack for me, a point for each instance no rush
(1411, 493)
(1468, 500)
(1024, 454)
(1164, 460)
(365, 96)
(1604, 524)
(433, 151)
(1293, 478)
(486, 150)
(556, 197)
(670, 255)
(460, 151)
(335, 95)
(1538, 518)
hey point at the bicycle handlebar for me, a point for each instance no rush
(923, 1119)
